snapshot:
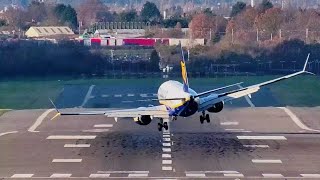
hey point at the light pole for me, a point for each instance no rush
(112, 62)
(282, 64)
(294, 65)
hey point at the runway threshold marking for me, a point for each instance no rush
(237, 130)
(262, 137)
(67, 160)
(310, 175)
(39, 120)
(166, 162)
(22, 175)
(69, 137)
(233, 175)
(269, 175)
(247, 98)
(229, 123)
(57, 175)
(88, 96)
(296, 120)
(99, 175)
(272, 161)
(123, 172)
(166, 155)
(103, 125)
(5, 133)
(166, 168)
(76, 145)
(138, 175)
(195, 175)
(96, 130)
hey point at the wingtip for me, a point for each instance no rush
(55, 107)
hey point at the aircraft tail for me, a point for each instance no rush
(184, 72)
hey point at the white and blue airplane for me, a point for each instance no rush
(178, 99)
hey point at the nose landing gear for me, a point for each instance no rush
(204, 117)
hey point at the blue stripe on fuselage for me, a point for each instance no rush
(176, 111)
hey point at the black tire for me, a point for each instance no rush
(165, 126)
(201, 119)
(208, 118)
(160, 126)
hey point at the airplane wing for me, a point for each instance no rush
(207, 102)
(154, 111)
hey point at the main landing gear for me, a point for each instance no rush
(204, 117)
(162, 124)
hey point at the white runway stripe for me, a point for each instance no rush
(66, 160)
(70, 137)
(273, 161)
(263, 137)
(76, 145)
(96, 130)
(99, 175)
(22, 176)
(166, 161)
(310, 175)
(223, 172)
(39, 120)
(237, 130)
(166, 155)
(167, 168)
(166, 144)
(234, 129)
(56, 175)
(196, 175)
(273, 175)
(123, 172)
(296, 120)
(138, 175)
(118, 95)
(144, 95)
(5, 133)
(166, 139)
(256, 146)
(229, 123)
(166, 135)
(130, 95)
(104, 95)
(233, 175)
(166, 149)
(103, 125)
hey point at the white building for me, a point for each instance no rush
(48, 31)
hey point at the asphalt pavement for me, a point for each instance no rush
(239, 143)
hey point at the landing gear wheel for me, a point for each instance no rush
(201, 119)
(165, 126)
(208, 118)
(160, 126)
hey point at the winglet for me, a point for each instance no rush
(55, 107)
(306, 63)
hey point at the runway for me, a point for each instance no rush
(239, 143)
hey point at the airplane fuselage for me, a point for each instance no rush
(174, 89)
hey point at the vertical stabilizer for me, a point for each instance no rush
(184, 72)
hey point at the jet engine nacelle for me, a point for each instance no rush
(216, 107)
(143, 120)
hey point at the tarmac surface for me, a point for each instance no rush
(239, 143)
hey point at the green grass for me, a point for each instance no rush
(34, 93)
(2, 111)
